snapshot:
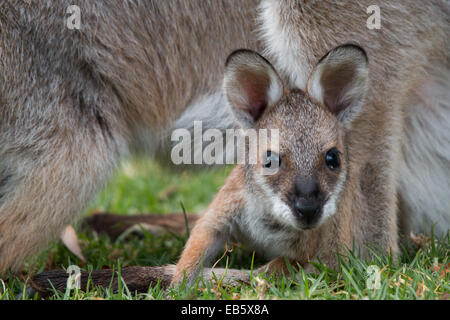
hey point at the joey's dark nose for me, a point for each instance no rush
(307, 211)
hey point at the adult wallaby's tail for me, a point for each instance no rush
(137, 279)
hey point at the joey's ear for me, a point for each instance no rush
(340, 81)
(251, 86)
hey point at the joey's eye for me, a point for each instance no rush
(271, 160)
(332, 159)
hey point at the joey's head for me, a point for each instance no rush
(302, 170)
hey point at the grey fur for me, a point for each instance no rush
(75, 102)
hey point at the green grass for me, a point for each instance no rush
(141, 186)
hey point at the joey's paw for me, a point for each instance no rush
(179, 279)
(309, 268)
(230, 277)
(263, 269)
(176, 282)
(217, 276)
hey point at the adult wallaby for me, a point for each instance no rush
(74, 102)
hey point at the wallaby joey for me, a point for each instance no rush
(381, 124)
(303, 211)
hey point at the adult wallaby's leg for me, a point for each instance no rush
(61, 131)
(43, 195)
(54, 154)
(424, 184)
